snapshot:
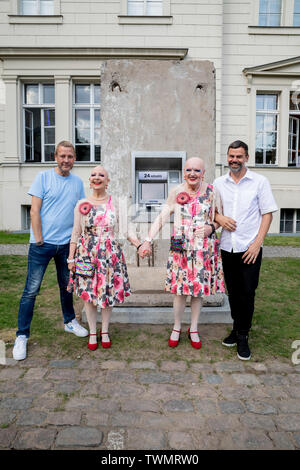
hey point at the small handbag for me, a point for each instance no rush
(84, 268)
(177, 243)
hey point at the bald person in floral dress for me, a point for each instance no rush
(194, 265)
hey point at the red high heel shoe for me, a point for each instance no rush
(195, 344)
(173, 342)
(94, 346)
(105, 344)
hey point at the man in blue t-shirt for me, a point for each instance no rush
(54, 194)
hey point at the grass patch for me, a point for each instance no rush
(13, 238)
(281, 241)
(275, 326)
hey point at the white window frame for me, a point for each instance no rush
(37, 6)
(286, 22)
(294, 219)
(25, 217)
(165, 18)
(41, 106)
(92, 106)
(294, 15)
(273, 113)
(145, 7)
(292, 113)
(280, 14)
(16, 16)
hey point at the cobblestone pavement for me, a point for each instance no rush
(113, 405)
(54, 404)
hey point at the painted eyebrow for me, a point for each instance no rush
(195, 169)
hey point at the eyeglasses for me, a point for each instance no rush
(196, 170)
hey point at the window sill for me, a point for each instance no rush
(35, 19)
(266, 165)
(275, 166)
(125, 19)
(278, 30)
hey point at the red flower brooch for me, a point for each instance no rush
(183, 198)
(85, 207)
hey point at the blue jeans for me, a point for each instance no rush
(38, 260)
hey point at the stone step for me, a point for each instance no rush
(147, 287)
(150, 304)
(164, 314)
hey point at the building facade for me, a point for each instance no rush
(54, 55)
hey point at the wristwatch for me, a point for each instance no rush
(213, 229)
(70, 260)
(40, 243)
(148, 239)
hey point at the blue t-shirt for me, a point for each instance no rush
(60, 195)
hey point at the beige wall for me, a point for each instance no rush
(224, 32)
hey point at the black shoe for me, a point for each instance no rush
(243, 351)
(230, 340)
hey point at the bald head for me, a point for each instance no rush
(194, 162)
(194, 172)
(99, 178)
(99, 169)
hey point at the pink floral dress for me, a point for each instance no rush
(197, 271)
(110, 283)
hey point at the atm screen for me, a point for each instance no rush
(152, 191)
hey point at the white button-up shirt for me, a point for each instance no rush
(245, 202)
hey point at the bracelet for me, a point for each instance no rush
(138, 247)
(70, 260)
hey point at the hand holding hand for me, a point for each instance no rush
(71, 266)
(227, 223)
(203, 231)
(145, 250)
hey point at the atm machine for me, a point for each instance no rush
(154, 186)
(155, 174)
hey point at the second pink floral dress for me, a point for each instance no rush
(197, 271)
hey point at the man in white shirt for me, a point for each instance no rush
(248, 204)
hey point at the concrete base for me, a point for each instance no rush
(164, 315)
(150, 304)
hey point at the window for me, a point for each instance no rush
(25, 217)
(266, 129)
(145, 7)
(36, 7)
(296, 13)
(86, 119)
(39, 122)
(294, 130)
(290, 221)
(269, 12)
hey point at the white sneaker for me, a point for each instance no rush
(74, 327)
(19, 351)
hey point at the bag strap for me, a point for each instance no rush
(193, 211)
(108, 204)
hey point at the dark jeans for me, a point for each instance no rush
(38, 260)
(241, 281)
